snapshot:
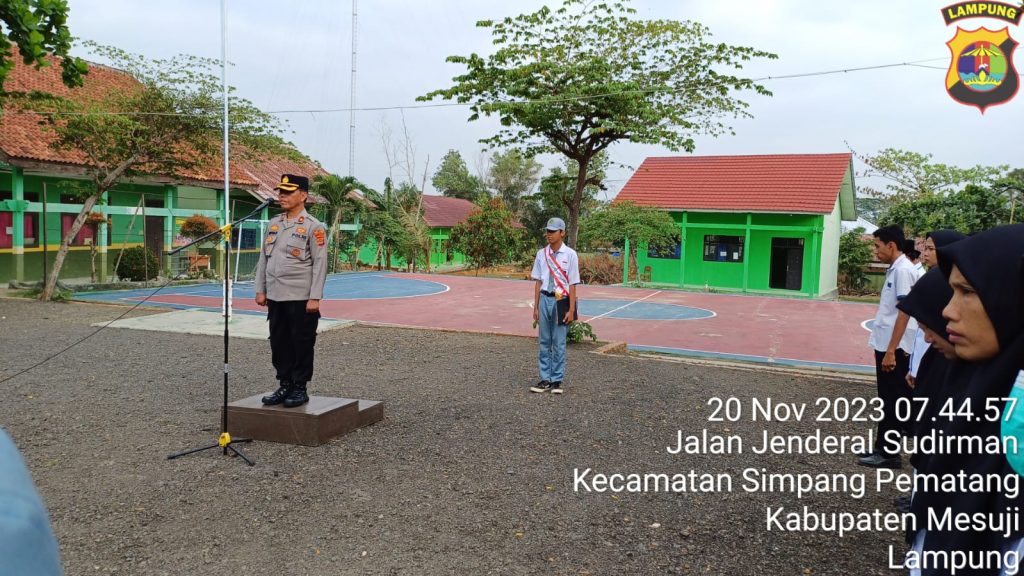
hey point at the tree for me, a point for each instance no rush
(576, 79)
(344, 201)
(854, 254)
(453, 179)
(1012, 186)
(384, 224)
(913, 176)
(512, 176)
(489, 236)
(38, 28)
(973, 209)
(641, 225)
(558, 189)
(167, 122)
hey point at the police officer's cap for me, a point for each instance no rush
(291, 183)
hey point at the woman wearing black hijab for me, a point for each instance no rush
(986, 327)
(932, 241)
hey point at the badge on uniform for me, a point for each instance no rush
(319, 234)
(274, 229)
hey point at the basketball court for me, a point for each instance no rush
(779, 331)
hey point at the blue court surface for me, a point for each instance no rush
(631, 310)
(349, 286)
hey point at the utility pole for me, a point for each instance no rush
(352, 95)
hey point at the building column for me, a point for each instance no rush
(169, 227)
(815, 281)
(18, 223)
(103, 232)
(682, 253)
(746, 251)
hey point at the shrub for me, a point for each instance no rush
(600, 269)
(136, 262)
(579, 330)
(196, 226)
(854, 254)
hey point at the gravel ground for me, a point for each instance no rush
(469, 473)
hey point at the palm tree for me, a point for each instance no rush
(346, 198)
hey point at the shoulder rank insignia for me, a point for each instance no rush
(319, 234)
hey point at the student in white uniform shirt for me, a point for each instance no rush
(556, 270)
(892, 338)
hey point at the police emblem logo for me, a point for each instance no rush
(300, 230)
(981, 72)
(295, 252)
(274, 229)
(271, 238)
(319, 235)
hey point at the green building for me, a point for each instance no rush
(38, 202)
(441, 214)
(760, 224)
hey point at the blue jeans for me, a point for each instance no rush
(27, 545)
(552, 341)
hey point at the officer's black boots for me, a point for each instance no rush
(279, 395)
(297, 396)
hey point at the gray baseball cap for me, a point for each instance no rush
(555, 224)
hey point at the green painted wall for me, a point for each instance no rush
(440, 237)
(830, 253)
(753, 272)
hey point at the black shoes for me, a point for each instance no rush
(297, 396)
(545, 386)
(878, 460)
(279, 395)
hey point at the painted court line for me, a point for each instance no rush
(623, 306)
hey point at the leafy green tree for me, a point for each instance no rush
(167, 123)
(453, 179)
(854, 254)
(1012, 186)
(489, 236)
(37, 28)
(345, 200)
(642, 225)
(558, 189)
(973, 209)
(576, 79)
(911, 176)
(512, 176)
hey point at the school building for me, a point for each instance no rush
(441, 214)
(40, 192)
(761, 224)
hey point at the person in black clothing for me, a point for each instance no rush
(985, 323)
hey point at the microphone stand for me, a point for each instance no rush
(224, 441)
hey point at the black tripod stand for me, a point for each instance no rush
(225, 441)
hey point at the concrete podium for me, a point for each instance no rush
(311, 424)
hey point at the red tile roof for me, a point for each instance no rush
(23, 139)
(789, 183)
(445, 212)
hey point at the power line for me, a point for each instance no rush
(914, 63)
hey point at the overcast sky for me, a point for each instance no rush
(296, 56)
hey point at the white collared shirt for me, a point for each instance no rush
(899, 279)
(566, 258)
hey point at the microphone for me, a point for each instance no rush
(266, 203)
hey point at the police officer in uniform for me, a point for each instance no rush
(290, 283)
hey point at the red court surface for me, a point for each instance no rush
(781, 331)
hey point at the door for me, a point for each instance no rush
(155, 238)
(787, 264)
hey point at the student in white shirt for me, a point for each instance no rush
(556, 270)
(892, 338)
